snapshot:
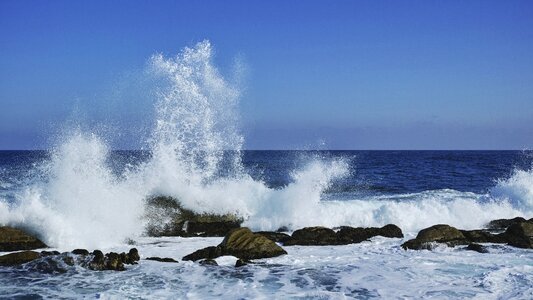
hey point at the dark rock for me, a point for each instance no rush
(112, 260)
(17, 258)
(208, 262)
(312, 236)
(520, 235)
(441, 233)
(241, 243)
(162, 259)
(502, 224)
(349, 235)
(80, 252)
(49, 253)
(241, 263)
(283, 229)
(483, 236)
(167, 217)
(12, 239)
(477, 247)
(205, 253)
(277, 237)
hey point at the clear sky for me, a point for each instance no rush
(321, 74)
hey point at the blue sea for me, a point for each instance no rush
(81, 193)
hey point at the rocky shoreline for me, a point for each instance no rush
(246, 245)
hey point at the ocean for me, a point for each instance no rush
(81, 193)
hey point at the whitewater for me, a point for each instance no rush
(80, 194)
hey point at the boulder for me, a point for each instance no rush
(208, 262)
(167, 217)
(112, 261)
(520, 235)
(211, 252)
(477, 247)
(349, 235)
(503, 224)
(17, 258)
(241, 263)
(277, 237)
(80, 252)
(12, 239)
(441, 233)
(241, 243)
(162, 259)
(312, 236)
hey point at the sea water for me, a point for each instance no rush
(83, 194)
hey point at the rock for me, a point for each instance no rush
(312, 236)
(49, 253)
(477, 247)
(241, 243)
(167, 217)
(502, 224)
(164, 259)
(80, 252)
(205, 253)
(112, 261)
(241, 263)
(348, 235)
(441, 233)
(17, 258)
(277, 237)
(244, 244)
(520, 235)
(208, 262)
(483, 236)
(283, 229)
(12, 239)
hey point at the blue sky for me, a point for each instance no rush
(321, 74)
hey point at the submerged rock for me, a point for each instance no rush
(208, 262)
(112, 260)
(162, 259)
(477, 247)
(18, 258)
(12, 239)
(167, 217)
(441, 233)
(241, 263)
(80, 252)
(241, 243)
(312, 236)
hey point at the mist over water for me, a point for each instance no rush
(195, 156)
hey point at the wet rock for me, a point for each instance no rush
(80, 252)
(483, 236)
(12, 239)
(112, 261)
(520, 235)
(208, 262)
(245, 244)
(17, 258)
(241, 243)
(503, 224)
(49, 253)
(277, 237)
(349, 235)
(162, 259)
(283, 229)
(441, 233)
(312, 236)
(241, 263)
(167, 217)
(205, 253)
(477, 247)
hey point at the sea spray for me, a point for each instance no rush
(195, 157)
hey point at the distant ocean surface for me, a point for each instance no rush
(413, 189)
